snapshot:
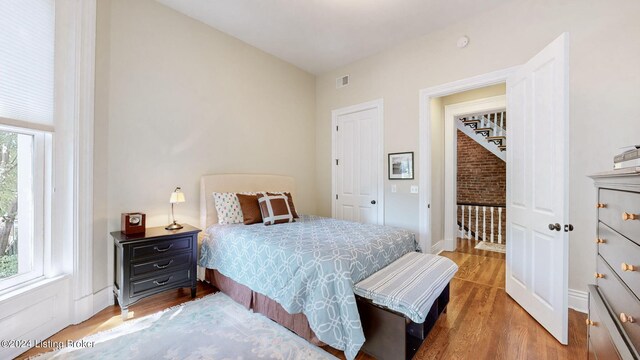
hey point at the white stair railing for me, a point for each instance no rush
(472, 217)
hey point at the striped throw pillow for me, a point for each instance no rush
(275, 209)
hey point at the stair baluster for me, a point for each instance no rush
(462, 223)
(500, 225)
(476, 229)
(492, 224)
(493, 125)
(484, 222)
(469, 223)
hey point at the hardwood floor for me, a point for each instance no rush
(482, 321)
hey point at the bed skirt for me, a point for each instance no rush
(262, 304)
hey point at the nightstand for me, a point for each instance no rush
(152, 262)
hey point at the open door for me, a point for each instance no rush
(537, 187)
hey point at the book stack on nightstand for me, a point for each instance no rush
(629, 159)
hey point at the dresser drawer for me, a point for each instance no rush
(159, 282)
(618, 203)
(161, 248)
(600, 342)
(161, 265)
(621, 300)
(621, 253)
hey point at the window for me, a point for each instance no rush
(22, 165)
(26, 108)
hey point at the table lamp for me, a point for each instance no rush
(177, 196)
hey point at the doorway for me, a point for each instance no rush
(475, 166)
(357, 170)
(537, 180)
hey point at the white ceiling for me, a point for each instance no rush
(321, 35)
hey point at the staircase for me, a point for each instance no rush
(487, 129)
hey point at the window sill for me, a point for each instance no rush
(31, 285)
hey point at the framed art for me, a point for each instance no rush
(401, 166)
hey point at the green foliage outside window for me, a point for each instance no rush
(8, 203)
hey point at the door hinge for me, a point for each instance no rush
(568, 227)
(337, 162)
(336, 196)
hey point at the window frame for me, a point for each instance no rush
(41, 170)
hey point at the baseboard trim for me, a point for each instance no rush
(579, 300)
(438, 247)
(102, 299)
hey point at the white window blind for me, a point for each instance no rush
(26, 60)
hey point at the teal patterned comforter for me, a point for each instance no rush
(308, 266)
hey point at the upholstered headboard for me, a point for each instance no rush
(236, 183)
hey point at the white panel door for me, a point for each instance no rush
(537, 187)
(356, 166)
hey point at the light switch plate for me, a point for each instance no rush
(414, 189)
(394, 188)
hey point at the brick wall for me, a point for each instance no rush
(482, 176)
(481, 179)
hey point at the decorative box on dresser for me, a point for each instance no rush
(614, 300)
(152, 262)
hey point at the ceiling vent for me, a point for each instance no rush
(342, 81)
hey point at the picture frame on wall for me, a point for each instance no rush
(401, 166)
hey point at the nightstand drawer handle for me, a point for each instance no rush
(163, 250)
(601, 206)
(591, 322)
(163, 282)
(601, 241)
(163, 266)
(626, 216)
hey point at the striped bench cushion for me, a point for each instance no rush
(409, 285)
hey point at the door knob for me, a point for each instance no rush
(373, 202)
(555, 227)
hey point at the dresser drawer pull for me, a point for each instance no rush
(598, 276)
(601, 206)
(162, 250)
(626, 318)
(627, 216)
(601, 241)
(160, 283)
(163, 266)
(590, 322)
(627, 267)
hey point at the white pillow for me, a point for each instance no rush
(228, 207)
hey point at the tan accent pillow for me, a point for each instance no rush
(289, 200)
(250, 209)
(275, 209)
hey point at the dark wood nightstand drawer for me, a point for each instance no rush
(161, 265)
(619, 251)
(600, 341)
(160, 281)
(621, 301)
(619, 205)
(161, 248)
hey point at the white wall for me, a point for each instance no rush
(177, 99)
(604, 95)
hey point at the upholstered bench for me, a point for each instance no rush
(400, 303)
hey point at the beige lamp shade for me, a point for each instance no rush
(176, 197)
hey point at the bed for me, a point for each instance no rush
(299, 274)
